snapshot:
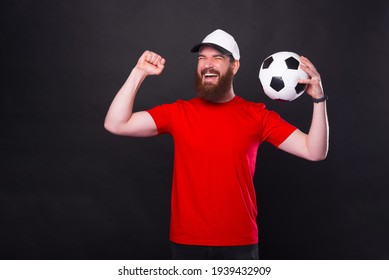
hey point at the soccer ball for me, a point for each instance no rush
(279, 75)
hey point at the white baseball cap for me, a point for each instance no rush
(222, 41)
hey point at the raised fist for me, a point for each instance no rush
(151, 63)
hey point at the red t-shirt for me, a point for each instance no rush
(215, 147)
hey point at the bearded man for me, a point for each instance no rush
(216, 138)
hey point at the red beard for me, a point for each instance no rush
(213, 92)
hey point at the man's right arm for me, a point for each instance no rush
(120, 118)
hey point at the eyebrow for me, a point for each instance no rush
(216, 55)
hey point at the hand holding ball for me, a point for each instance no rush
(279, 75)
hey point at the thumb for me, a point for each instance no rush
(161, 63)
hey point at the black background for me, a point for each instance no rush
(71, 190)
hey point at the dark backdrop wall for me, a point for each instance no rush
(71, 190)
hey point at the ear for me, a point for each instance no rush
(235, 66)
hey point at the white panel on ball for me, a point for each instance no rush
(279, 75)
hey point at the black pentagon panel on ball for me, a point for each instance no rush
(292, 63)
(277, 83)
(267, 62)
(300, 88)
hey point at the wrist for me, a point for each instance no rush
(139, 72)
(320, 99)
(137, 75)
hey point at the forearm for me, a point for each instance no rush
(317, 139)
(121, 108)
(314, 145)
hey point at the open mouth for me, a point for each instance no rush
(210, 77)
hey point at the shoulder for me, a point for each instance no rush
(172, 105)
(241, 101)
(250, 106)
(171, 108)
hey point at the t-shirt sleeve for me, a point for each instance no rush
(162, 117)
(275, 129)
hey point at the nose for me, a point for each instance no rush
(207, 63)
(207, 68)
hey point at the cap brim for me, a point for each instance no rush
(217, 47)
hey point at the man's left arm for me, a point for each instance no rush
(314, 145)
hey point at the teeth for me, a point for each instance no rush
(210, 75)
